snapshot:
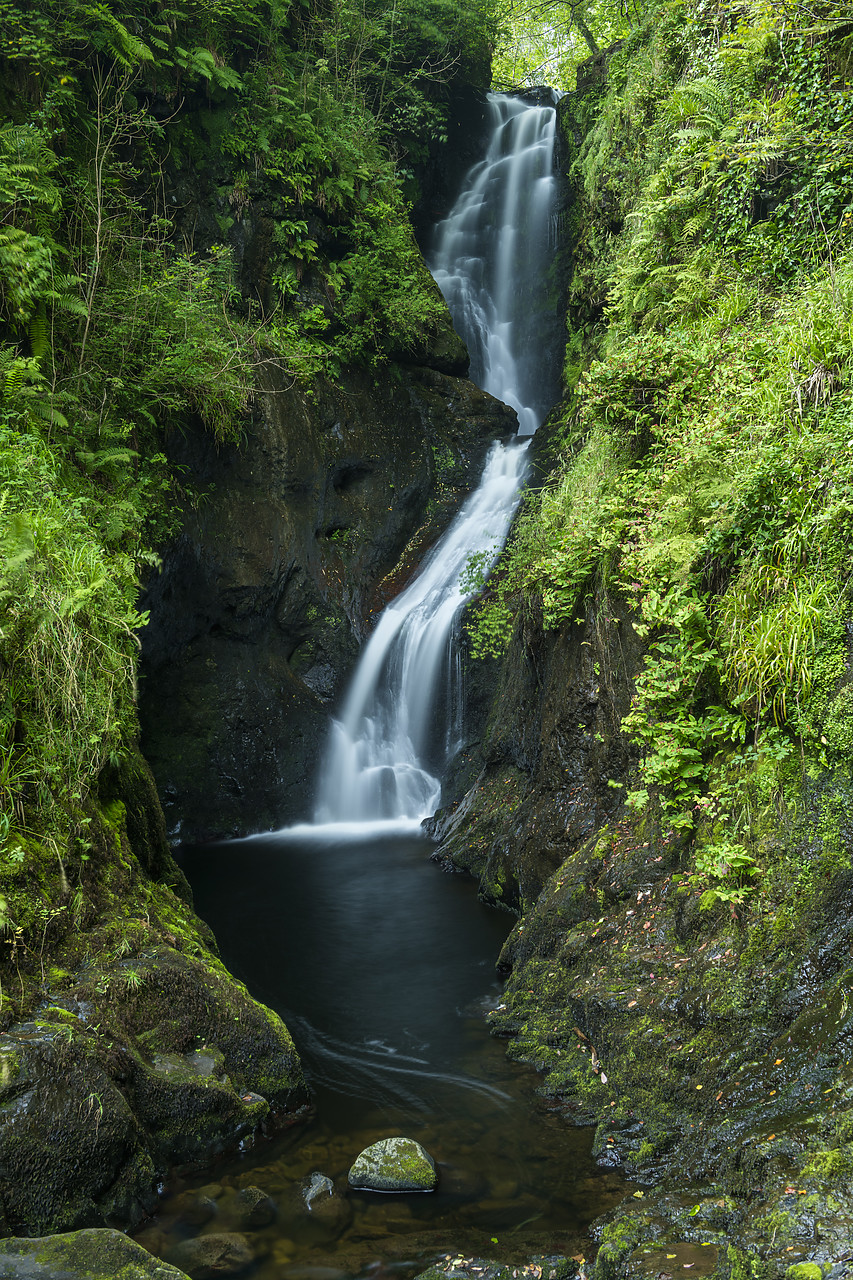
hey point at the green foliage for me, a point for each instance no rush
(707, 466)
(119, 324)
(544, 43)
(68, 642)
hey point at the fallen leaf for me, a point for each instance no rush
(631, 1003)
(770, 1137)
(778, 1062)
(699, 1086)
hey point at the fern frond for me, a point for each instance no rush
(127, 49)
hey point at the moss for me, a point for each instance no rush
(83, 1255)
(116, 940)
(394, 1164)
(619, 1239)
(804, 1271)
(836, 1163)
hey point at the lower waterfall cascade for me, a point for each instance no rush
(400, 725)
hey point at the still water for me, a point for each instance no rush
(383, 967)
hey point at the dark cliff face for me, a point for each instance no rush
(303, 533)
(550, 747)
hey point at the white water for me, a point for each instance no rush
(401, 721)
(491, 254)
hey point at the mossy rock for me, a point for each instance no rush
(82, 1255)
(395, 1164)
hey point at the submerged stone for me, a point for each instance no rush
(225, 1253)
(394, 1164)
(255, 1208)
(316, 1184)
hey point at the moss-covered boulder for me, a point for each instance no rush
(394, 1164)
(82, 1255)
(126, 1048)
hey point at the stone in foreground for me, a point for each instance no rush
(395, 1164)
(92, 1254)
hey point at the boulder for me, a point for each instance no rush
(93, 1254)
(394, 1164)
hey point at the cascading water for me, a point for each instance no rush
(389, 750)
(491, 258)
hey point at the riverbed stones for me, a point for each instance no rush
(394, 1164)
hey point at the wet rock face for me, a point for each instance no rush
(141, 1092)
(305, 531)
(711, 1052)
(549, 750)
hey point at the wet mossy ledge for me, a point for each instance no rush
(127, 1048)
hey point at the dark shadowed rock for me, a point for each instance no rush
(312, 524)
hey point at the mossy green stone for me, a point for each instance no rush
(395, 1164)
(804, 1271)
(93, 1254)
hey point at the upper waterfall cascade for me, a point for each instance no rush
(401, 721)
(492, 253)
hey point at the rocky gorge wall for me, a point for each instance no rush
(712, 1058)
(138, 1052)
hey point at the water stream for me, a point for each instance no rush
(400, 725)
(381, 966)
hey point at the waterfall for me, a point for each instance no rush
(491, 255)
(400, 724)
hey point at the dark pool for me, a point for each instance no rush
(383, 966)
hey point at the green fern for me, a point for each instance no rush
(127, 49)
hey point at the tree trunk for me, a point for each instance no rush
(587, 34)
